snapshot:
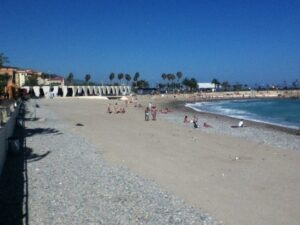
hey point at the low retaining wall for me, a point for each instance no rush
(8, 117)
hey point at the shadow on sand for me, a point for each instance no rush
(14, 192)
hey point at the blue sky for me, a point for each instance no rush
(238, 41)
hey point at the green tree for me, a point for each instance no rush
(3, 60)
(120, 77)
(215, 82)
(128, 78)
(142, 84)
(237, 86)
(45, 75)
(3, 82)
(186, 82)
(194, 84)
(226, 85)
(164, 76)
(136, 78)
(191, 84)
(87, 78)
(295, 84)
(70, 79)
(31, 81)
(179, 75)
(111, 77)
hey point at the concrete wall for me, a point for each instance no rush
(8, 116)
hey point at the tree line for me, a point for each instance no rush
(171, 81)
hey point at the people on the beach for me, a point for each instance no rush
(195, 122)
(122, 110)
(241, 123)
(153, 112)
(109, 109)
(147, 113)
(186, 120)
(206, 125)
(165, 110)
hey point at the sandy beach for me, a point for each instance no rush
(237, 178)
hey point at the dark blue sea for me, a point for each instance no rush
(280, 112)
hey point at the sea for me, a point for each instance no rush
(279, 112)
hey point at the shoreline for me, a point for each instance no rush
(261, 133)
(180, 106)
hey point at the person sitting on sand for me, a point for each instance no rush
(116, 109)
(186, 120)
(109, 109)
(122, 110)
(195, 122)
(166, 110)
(206, 125)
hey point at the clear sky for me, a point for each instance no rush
(245, 41)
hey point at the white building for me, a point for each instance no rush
(207, 87)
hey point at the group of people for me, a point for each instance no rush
(150, 110)
(116, 109)
(194, 121)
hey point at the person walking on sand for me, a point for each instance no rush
(147, 114)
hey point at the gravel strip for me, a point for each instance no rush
(70, 182)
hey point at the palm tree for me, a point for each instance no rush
(192, 83)
(179, 75)
(295, 83)
(142, 84)
(127, 77)
(3, 60)
(87, 78)
(120, 76)
(111, 77)
(226, 85)
(164, 76)
(70, 78)
(136, 78)
(215, 82)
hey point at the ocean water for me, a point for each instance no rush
(280, 112)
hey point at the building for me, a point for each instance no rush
(19, 75)
(7, 70)
(210, 87)
(53, 80)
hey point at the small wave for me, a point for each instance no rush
(246, 109)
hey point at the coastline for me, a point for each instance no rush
(273, 135)
(180, 106)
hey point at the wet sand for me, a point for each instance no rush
(236, 180)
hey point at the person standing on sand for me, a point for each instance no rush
(153, 112)
(147, 114)
(241, 123)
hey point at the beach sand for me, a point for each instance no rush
(235, 179)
